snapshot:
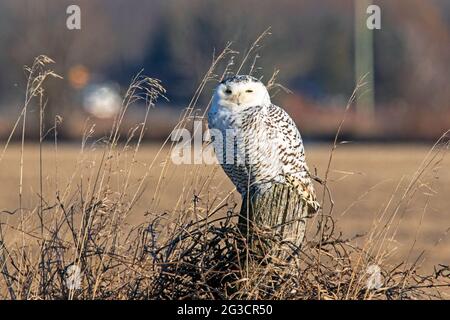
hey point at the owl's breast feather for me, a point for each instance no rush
(223, 119)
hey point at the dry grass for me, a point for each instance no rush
(139, 227)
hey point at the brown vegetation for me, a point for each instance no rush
(193, 250)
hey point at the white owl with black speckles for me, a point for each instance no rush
(266, 145)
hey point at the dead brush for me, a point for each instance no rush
(195, 251)
(205, 260)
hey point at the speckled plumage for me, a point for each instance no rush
(268, 147)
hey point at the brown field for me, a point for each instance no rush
(363, 180)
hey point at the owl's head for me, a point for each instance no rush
(240, 92)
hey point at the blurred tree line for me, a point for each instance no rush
(312, 43)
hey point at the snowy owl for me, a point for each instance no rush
(266, 146)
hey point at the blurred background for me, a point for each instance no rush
(322, 48)
(315, 45)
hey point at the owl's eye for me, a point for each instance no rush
(249, 91)
(228, 91)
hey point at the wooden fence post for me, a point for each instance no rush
(281, 211)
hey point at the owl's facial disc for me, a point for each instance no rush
(240, 94)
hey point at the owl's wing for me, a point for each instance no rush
(288, 141)
(289, 144)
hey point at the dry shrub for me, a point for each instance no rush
(194, 252)
(212, 260)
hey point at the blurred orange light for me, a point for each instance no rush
(78, 76)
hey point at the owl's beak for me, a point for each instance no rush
(238, 99)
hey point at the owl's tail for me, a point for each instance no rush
(306, 190)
